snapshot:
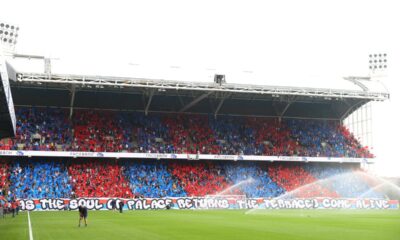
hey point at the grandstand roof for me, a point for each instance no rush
(158, 95)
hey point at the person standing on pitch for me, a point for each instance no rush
(13, 208)
(121, 206)
(83, 212)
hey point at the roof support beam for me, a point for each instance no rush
(289, 100)
(181, 101)
(146, 110)
(219, 107)
(220, 104)
(285, 109)
(195, 101)
(71, 104)
(357, 81)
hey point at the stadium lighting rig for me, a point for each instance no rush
(8, 40)
(377, 62)
(8, 35)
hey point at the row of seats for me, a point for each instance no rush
(105, 131)
(154, 178)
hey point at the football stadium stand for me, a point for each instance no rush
(77, 142)
(50, 129)
(55, 178)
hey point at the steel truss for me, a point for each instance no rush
(160, 84)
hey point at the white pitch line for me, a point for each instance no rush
(30, 227)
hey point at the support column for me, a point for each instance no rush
(71, 104)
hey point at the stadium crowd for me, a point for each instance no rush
(98, 178)
(145, 133)
(347, 181)
(252, 180)
(42, 129)
(298, 182)
(199, 178)
(191, 134)
(4, 178)
(39, 179)
(234, 136)
(70, 178)
(51, 130)
(149, 179)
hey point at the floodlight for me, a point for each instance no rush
(377, 61)
(8, 35)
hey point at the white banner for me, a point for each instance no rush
(219, 202)
(179, 156)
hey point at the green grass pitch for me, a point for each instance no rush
(203, 224)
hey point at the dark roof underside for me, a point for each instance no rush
(174, 101)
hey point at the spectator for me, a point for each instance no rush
(50, 129)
